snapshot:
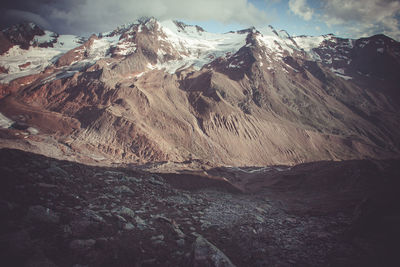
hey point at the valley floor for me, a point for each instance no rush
(60, 213)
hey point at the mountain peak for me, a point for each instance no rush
(23, 34)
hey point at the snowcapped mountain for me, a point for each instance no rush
(151, 91)
(164, 145)
(179, 46)
(29, 50)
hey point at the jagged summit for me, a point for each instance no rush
(165, 145)
(163, 90)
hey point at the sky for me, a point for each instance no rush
(344, 18)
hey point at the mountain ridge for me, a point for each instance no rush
(156, 91)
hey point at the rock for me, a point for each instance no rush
(41, 214)
(205, 254)
(131, 179)
(94, 216)
(178, 231)
(154, 181)
(141, 224)
(291, 220)
(173, 225)
(129, 226)
(120, 218)
(259, 218)
(123, 189)
(157, 237)
(124, 211)
(158, 242)
(180, 242)
(57, 171)
(260, 210)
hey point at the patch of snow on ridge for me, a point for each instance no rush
(363, 43)
(48, 37)
(59, 75)
(99, 49)
(343, 76)
(309, 42)
(32, 130)
(198, 48)
(276, 43)
(126, 48)
(5, 122)
(340, 71)
(39, 58)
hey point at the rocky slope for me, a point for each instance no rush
(159, 144)
(61, 213)
(165, 91)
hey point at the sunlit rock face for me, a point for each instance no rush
(165, 91)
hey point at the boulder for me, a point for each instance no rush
(205, 254)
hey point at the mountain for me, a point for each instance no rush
(166, 91)
(160, 144)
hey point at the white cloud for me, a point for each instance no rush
(301, 9)
(363, 18)
(101, 15)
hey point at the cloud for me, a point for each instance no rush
(363, 18)
(14, 16)
(86, 16)
(301, 9)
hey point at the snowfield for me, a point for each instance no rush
(195, 48)
(5, 122)
(38, 58)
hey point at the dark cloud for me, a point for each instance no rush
(87, 16)
(364, 18)
(14, 16)
(38, 11)
(356, 18)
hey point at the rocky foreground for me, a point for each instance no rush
(60, 213)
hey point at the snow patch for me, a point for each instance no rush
(48, 37)
(363, 43)
(340, 71)
(307, 43)
(99, 49)
(343, 76)
(197, 48)
(5, 122)
(38, 57)
(60, 75)
(32, 130)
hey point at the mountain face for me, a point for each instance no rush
(166, 91)
(150, 136)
